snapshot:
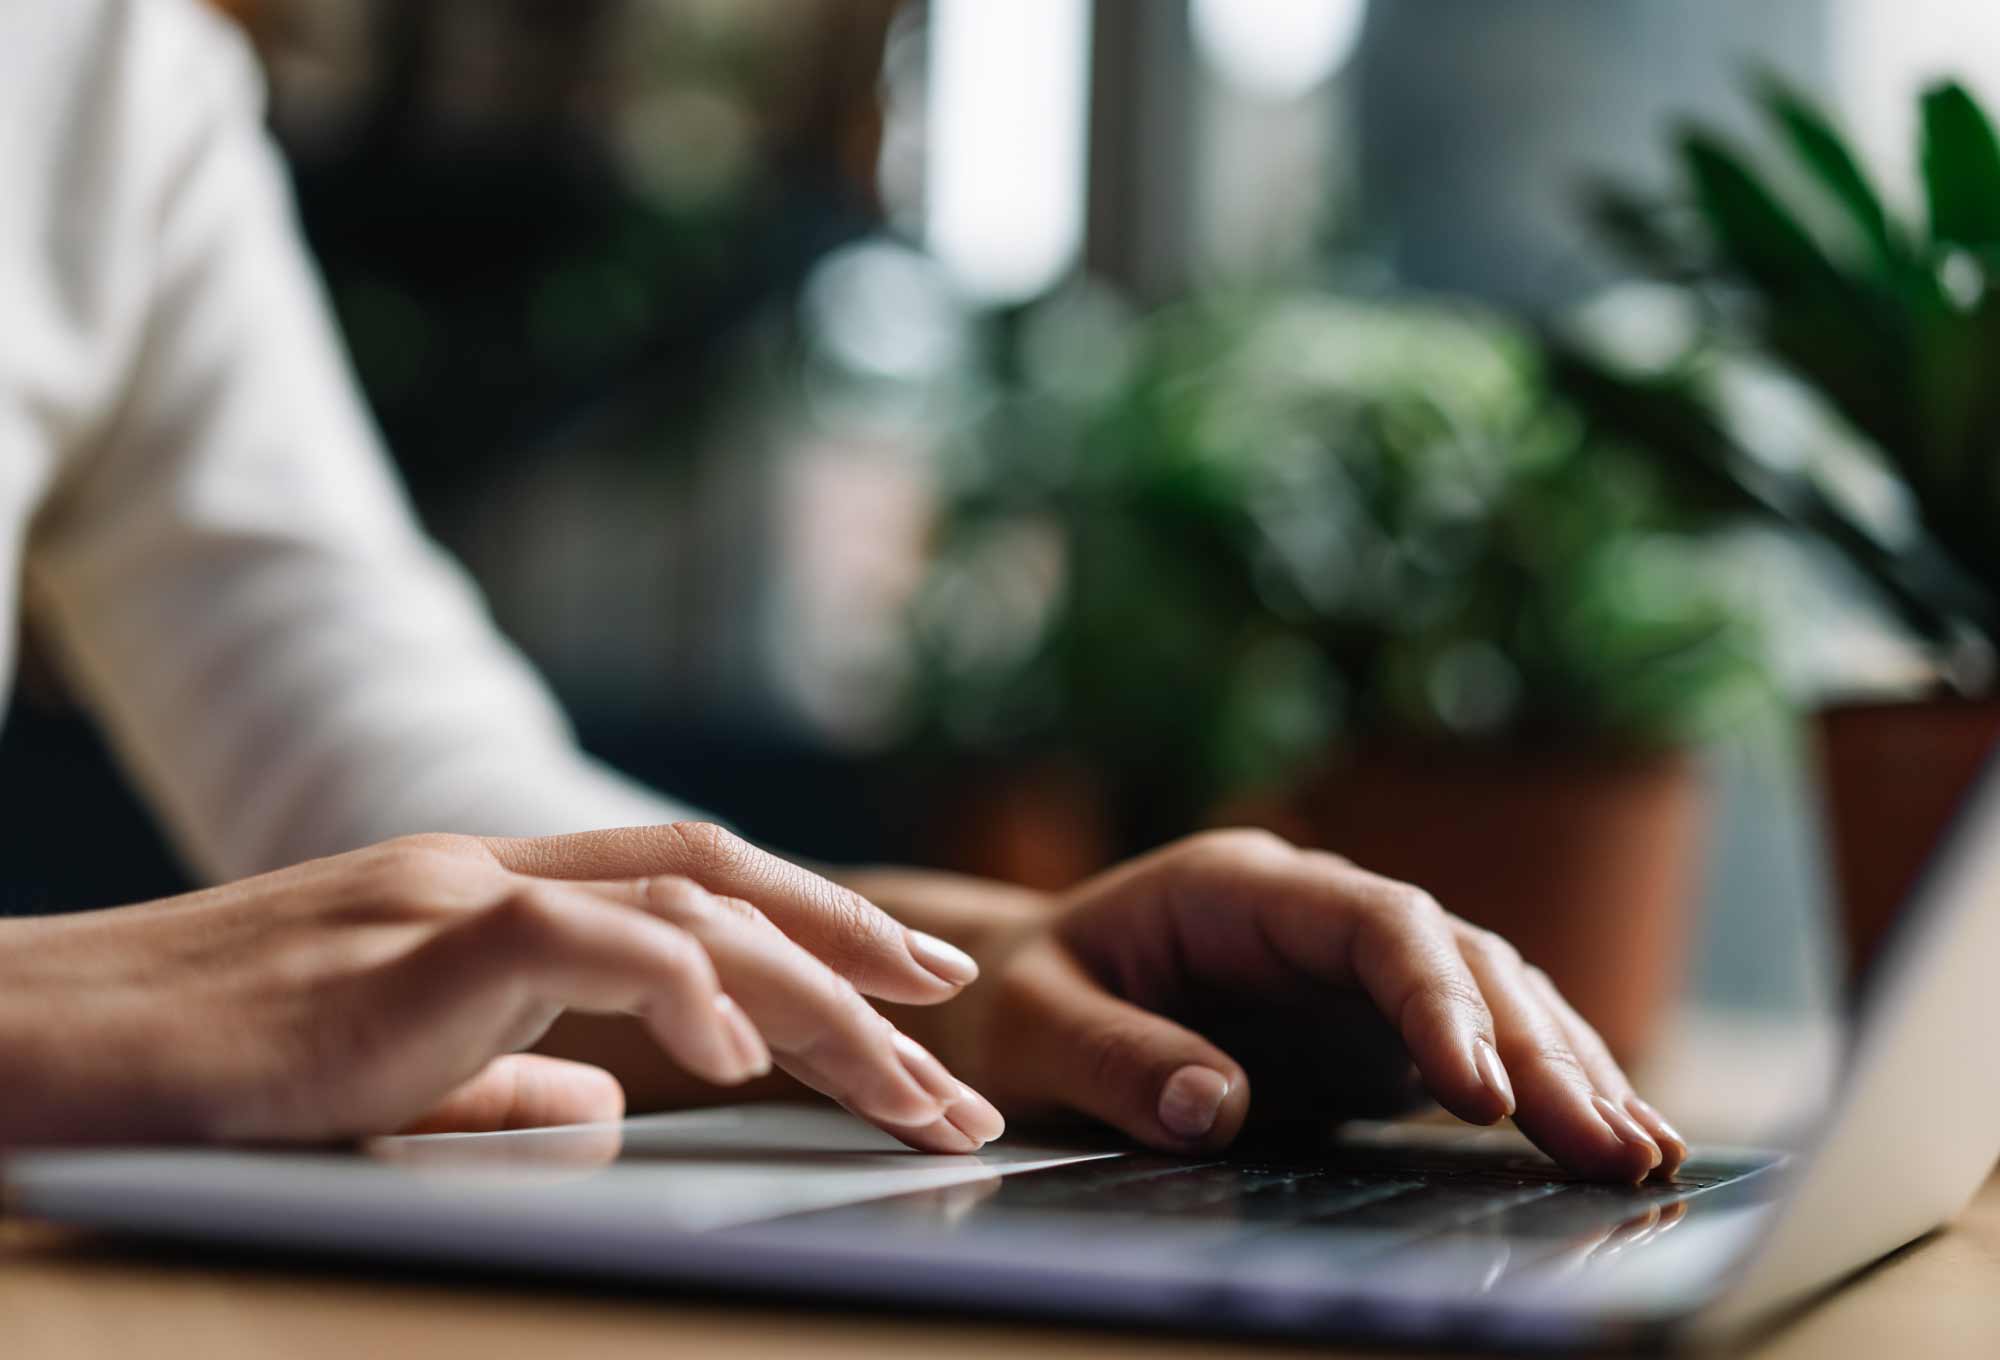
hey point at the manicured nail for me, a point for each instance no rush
(1670, 1139)
(1191, 1100)
(747, 1047)
(929, 1073)
(974, 1116)
(943, 958)
(1493, 1073)
(1627, 1129)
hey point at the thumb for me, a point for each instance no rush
(525, 1091)
(1153, 1079)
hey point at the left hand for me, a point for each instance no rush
(1158, 995)
(390, 987)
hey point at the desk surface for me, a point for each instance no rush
(64, 1295)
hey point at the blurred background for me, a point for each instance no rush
(1005, 435)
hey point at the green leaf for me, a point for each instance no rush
(1834, 165)
(1632, 225)
(1842, 334)
(1959, 492)
(1662, 419)
(1961, 168)
(1712, 466)
(1756, 231)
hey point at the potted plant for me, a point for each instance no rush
(1351, 570)
(1887, 333)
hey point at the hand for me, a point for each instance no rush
(390, 988)
(1159, 995)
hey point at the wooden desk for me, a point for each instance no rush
(64, 1296)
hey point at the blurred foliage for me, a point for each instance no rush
(544, 222)
(1888, 328)
(1200, 549)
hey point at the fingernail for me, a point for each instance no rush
(752, 1056)
(1493, 1073)
(1656, 1124)
(943, 958)
(1191, 1100)
(1627, 1129)
(974, 1116)
(929, 1073)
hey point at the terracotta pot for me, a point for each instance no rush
(1892, 774)
(1043, 824)
(1589, 864)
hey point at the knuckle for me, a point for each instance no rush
(1110, 1056)
(1450, 992)
(737, 908)
(857, 923)
(1397, 912)
(1235, 845)
(1489, 948)
(674, 897)
(707, 848)
(439, 842)
(1397, 916)
(528, 915)
(1413, 903)
(681, 957)
(852, 933)
(400, 860)
(418, 871)
(1328, 860)
(1562, 1058)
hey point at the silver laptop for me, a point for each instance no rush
(1409, 1233)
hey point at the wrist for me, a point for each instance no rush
(31, 1112)
(107, 1065)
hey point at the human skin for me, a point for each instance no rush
(394, 987)
(1158, 996)
(1233, 952)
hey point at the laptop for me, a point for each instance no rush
(1409, 1233)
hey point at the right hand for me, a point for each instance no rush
(1157, 995)
(391, 988)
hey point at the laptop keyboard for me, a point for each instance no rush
(1363, 1207)
(1404, 1195)
(1226, 1192)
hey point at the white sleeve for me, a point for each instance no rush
(286, 665)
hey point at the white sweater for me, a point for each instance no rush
(201, 510)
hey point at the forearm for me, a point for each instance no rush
(84, 1055)
(229, 571)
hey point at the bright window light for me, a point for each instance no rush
(1007, 114)
(1886, 51)
(1277, 49)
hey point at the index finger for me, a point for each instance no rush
(840, 927)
